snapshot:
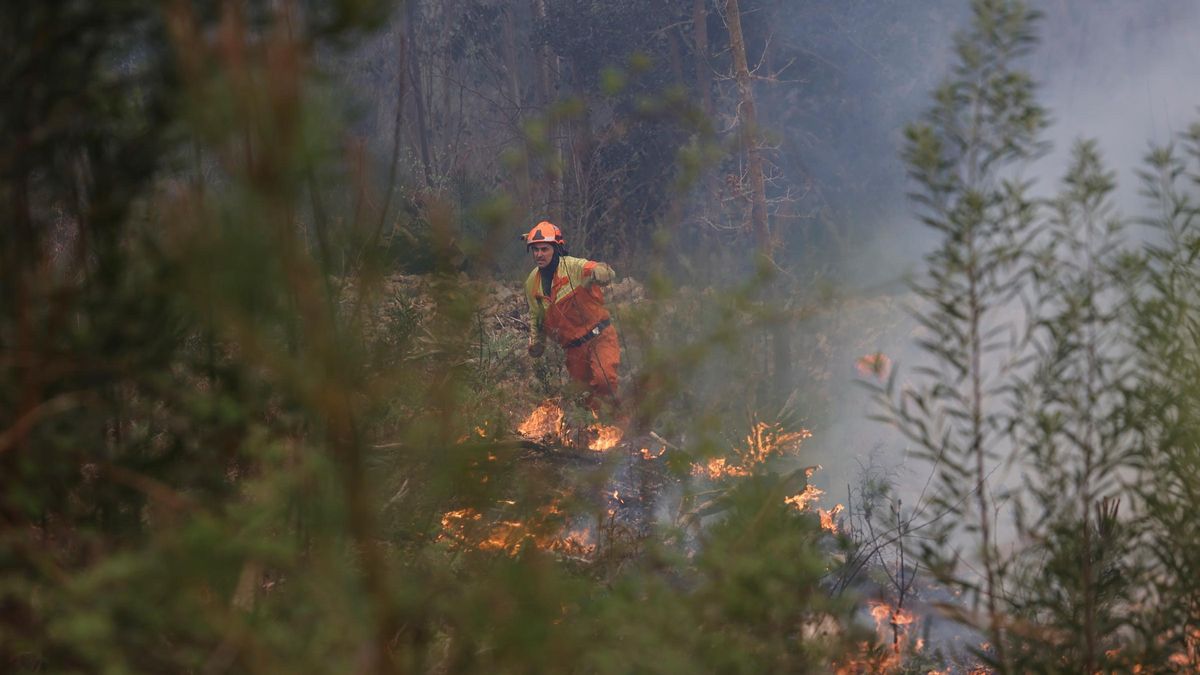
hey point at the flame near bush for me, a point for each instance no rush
(764, 441)
(467, 528)
(548, 424)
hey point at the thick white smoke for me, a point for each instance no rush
(1126, 74)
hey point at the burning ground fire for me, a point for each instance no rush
(543, 528)
(546, 528)
(606, 437)
(892, 624)
(547, 424)
(466, 527)
(895, 630)
(546, 421)
(763, 442)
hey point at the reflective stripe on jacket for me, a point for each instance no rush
(575, 303)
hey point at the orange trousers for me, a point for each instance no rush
(594, 365)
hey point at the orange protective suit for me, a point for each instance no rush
(573, 313)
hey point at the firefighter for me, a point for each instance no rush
(566, 302)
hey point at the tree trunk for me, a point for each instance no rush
(781, 330)
(414, 70)
(700, 34)
(397, 134)
(548, 94)
(676, 58)
(512, 65)
(748, 131)
(704, 90)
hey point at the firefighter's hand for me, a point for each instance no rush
(536, 349)
(603, 274)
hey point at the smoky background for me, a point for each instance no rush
(836, 83)
(1123, 75)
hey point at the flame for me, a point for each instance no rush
(545, 422)
(719, 468)
(867, 660)
(451, 517)
(466, 527)
(646, 454)
(606, 437)
(879, 612)
(827, 518)
(802, 500)
(876, 365)
(480, 431)
(892, 625)
(764, 441)
(1191, 654)
(578, 543)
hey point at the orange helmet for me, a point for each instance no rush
(545, 232)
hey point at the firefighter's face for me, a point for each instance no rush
(542, 254)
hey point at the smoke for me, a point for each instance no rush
(1127, 74)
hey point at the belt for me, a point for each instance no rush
(582, 339)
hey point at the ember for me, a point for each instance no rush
(647, 455)
(1191, 654)
(876, 365)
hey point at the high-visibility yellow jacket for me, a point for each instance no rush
(575, 303)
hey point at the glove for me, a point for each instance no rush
(536, 349)
(603, 274)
